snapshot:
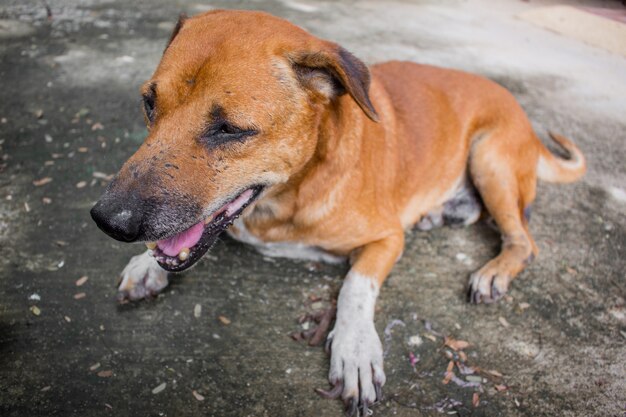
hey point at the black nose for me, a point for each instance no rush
(118, 217)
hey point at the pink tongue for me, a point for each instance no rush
(173, 245)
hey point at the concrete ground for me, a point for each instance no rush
(217, 342)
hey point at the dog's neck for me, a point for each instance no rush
(338, 150)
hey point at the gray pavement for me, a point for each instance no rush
(69, 111)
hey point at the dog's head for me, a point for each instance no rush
(233, 110)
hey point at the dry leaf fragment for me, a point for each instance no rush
(81, 184)
(198, 396)
(94, 366)
(67, 319)
(103, 176)
(61, 243)
(523, 306)
(454, 344)
(82, 149)
(450, 367)
(27, 207)
(46, 200)
(475, 399)
(197, 311)
(494, 373)
(224, 320)
(80, 281)
(105, 374)
(42, 181)
(79, 295)
(501, 387)
(503, 321)
(430, 337)
(159, 388)
(97, 126)
(571, 270)
(46, 388)
(35, 310)
(447, 378)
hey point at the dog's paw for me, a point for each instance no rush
(430, 221)
(356, 366)
(488, 285)
(141, 278)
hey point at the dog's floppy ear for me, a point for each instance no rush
(332, 71)
(181, 20)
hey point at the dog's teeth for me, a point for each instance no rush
(184, 254)
(151, 245)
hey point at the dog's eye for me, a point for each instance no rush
(225, 132)
(148, 107)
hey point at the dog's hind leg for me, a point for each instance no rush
(463, 209)
(503, 169)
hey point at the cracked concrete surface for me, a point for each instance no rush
(70, 112)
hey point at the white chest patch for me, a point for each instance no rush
(292, 250)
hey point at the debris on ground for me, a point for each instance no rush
(35, 310)
(159, 388)
(315, 322)
(198, 396)
(42, 181)
(197, 311)
(416, 341)
(387, 334)
(224, 320)
(454, 344)
(413, 360)
(81, 281)
(460, 373)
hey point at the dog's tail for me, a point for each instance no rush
(552, 168)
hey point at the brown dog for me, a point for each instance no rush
(252, 116)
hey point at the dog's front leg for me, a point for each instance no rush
(141, 278)
(356, 363)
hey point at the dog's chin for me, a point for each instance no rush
(180, 251)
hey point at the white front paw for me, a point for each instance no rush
(356, 362)
(356, 354)
(142, 278)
